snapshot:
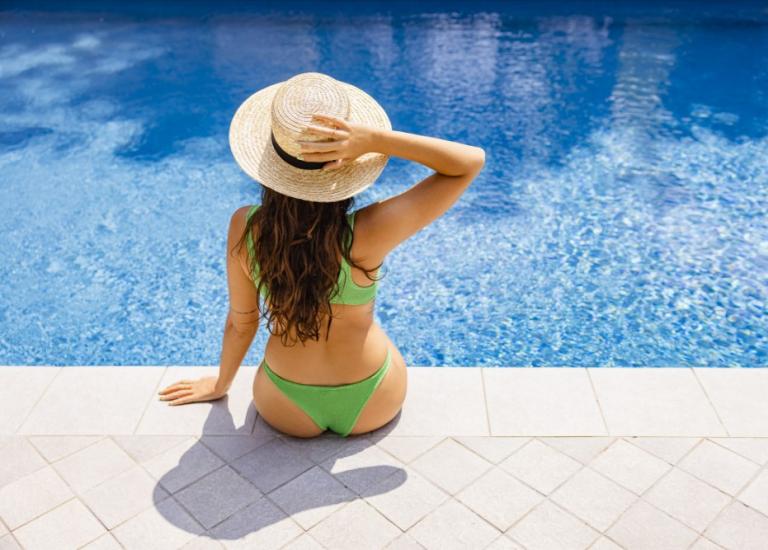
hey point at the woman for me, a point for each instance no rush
(313, 143)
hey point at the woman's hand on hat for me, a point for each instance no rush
(349, 140)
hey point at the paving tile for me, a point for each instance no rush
(217, 496)
(3, 529)
(144, 447)
(753, 448)
(83, 401)
(493, 449)
(499, 498)
(630, 466)
(124, 496)
(104, 542)
(7, 542)
(56, 447)
(70, 525)
(632, 530)
(739, 397)
(756, 493)
(356, 525)
(20, 390)
(19, 459)
(687, 499)
(719, 467)
(424, 411)
(593, 498)
(166, 525)
(406, 542)
(654, 402)
(704, 544)
(303, 542)
(407, 448)
(669, 449)
(451, 466)
(583, 449)
(361, 466)
(405, 498)
(739, 527)
(549, 527)
(541, 466)
(453, 526)
(93, 465)
(32, 496)
(319, 448)
(604, 543)
(504, 543)
(231, 447)
(541, 402)
(182, 465)
(271, 465)
(261, 428)
(234, 414)
(311, 497)
(261, 525)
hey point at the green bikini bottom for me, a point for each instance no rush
(332, 407)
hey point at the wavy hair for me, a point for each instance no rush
(297, 249)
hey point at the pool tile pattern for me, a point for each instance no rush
(676, 450)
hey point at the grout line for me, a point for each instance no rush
(597, 400)
(72, 497)
(714, 439)
(711, 403)
(99, 437)
(149, 401)
(485, 402)
(37, 402)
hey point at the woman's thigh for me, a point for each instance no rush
(388, 398)
(280, 412)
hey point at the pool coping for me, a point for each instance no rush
(453, 401)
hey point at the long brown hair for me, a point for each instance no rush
(297, 248)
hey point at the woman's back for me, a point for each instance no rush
(347, 354)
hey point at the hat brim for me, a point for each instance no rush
(250, 142)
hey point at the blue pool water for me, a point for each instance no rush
(621, 220)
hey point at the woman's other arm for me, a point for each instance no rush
(240, 329)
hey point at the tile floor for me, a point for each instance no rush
(478, 458)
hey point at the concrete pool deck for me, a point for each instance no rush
(479, 458)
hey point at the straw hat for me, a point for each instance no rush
(264, 132)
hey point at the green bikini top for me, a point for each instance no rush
(350, 293)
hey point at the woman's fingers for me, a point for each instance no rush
(335, 133)
(183, 400)
(175, 387)
(176, 394)
(336, 121)
(320, 157)
(321, 146)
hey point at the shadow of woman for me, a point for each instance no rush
(248, 483)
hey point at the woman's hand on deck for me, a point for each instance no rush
(192, 391)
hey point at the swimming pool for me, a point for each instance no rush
(621, 220)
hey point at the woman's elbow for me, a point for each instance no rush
(243, 327)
